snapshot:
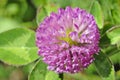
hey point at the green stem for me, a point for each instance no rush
(61, 76)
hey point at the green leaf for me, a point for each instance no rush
(64, 3)
(104, 67)
(52, 76)
(116, 16)
(83, 4)
(115, 58)
(81, 76)
(38, 3)
(111, 75)
(30, 24)
(118, 45)
(52, 7)
(111, 50)
(97, 13)
(114, 34)
(12, 9)
(38, 72)
(17, 47)
(41, 13)
(23, 8)
(8, 24)
(118, 75)
(107, 10)
(3, 3)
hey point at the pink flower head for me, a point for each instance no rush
(67, 40)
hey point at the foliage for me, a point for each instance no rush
(19, 20)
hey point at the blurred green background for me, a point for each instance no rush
(29, 13)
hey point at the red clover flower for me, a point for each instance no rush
(67, 40)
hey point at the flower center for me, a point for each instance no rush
(67, 37)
